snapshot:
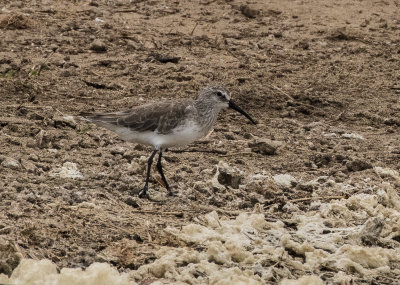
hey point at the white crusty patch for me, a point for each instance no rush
(68, 170)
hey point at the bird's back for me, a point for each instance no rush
(160, 118)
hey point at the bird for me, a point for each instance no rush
(167, 124)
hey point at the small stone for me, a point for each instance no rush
(229, 176)
(41, 139)
(28, 165)
(117, 150)
(285, 180)
(132, 202)
(65, 121)
(139, 147)
(136, 168)
(230, 136)
(264, 146)
(129, 155)
(65, 73)
(10, 257)
(249, 11)
(165, 58)
(371, 231)
(358, 165)
(35, 116)
(11, 163)
(98, 46)
(4, 68)
(33, 157)
(94, 3)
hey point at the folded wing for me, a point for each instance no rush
(159, 117)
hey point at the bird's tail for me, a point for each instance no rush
(105, 120)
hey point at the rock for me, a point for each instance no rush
(4, 68)
(322, 159)
(165, 58)
(65, 121)
(264, 146)
(94, 3)
(386, 172)
(42, 139)
(33, 157)
(249, 11)
(285, 180)
(11, 163)
(229, 176)
(230, 136)
(358, 165)
(28, 165)
(35, 116)
(371, 231)
(132, 202)
(258, 183)
(117, 150)
(136, 168)
(10, 257)
(98, 46)
(129, 155)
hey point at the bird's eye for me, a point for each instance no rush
(219, 94)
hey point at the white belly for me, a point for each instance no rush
(178, 137)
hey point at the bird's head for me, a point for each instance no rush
(221, 98)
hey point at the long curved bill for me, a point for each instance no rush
(233, 106)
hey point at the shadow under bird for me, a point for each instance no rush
(167, 124)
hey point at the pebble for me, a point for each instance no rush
(136, 168)
(4, 68)
(117, 150)
(11, 163)
(98, 46)
(229, 176)
(28, 165)
(358, 165)
(132, 202)
(33, 157)
(10, 257)
(264, 146)
(371, 231)
(129, 155)
(249, 11)
(65, 121)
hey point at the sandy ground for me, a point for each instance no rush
(321, 79)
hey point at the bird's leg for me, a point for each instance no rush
(144, 193)
(160, 170)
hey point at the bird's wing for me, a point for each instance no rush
(163, 117)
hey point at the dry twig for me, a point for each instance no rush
(316, 198)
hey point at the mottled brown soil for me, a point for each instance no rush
(308, 71)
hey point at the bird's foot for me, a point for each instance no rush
(144, 193)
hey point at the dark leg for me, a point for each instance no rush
(160, 170)
(143, 193)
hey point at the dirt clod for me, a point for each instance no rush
(11, 163)
(229, 176)
(98, 46)
(358, 165)
(249, 11)
(264, 146)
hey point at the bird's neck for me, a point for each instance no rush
(207, 113)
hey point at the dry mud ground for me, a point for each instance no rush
(320, 77)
